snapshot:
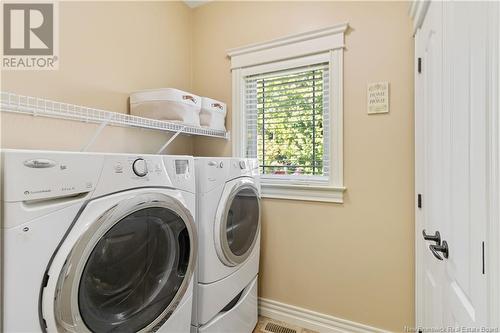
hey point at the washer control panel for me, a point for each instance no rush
(180, 170)
(182, 167)
(123, 171)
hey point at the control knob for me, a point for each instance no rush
(140, 167)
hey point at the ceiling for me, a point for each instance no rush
(196, 3)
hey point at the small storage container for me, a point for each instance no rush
(213, 114)
(167, 104)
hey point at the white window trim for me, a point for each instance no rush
(324, 45)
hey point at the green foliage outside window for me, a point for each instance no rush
(290, 123)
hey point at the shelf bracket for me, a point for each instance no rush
(170, 140)
(96, 134)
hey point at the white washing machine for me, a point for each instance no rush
(97, 242)
(228, 220)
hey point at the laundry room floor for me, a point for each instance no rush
(278, 326)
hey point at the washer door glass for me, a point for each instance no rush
(134, 271)
(242, 223)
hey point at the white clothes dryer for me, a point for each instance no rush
(97, 242)
(228, 221)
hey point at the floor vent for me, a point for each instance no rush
(272, 327)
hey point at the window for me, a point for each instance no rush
(287, 113)
(287, 122)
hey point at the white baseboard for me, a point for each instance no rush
(311, 320)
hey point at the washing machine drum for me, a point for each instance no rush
(134, 274)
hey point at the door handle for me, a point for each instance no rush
(433, 238)
(443, 248)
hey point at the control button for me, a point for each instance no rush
(212, 163)
(242, 165)
(118, 168)
(140, 167)
(221, 164)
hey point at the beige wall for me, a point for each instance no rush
(353, 261)
(107, 50)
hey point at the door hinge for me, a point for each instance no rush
(482, 252)
(419, 65)
(419, 200)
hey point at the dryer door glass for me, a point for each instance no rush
(242, 223)
(135, 271)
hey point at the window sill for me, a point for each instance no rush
(303, 192)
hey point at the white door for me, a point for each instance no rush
(451, 164)
(429, 149)
(465, 106)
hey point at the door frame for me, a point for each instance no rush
(418, 11)
(493, 254)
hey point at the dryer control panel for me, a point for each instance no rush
(215, 171)
(243, 167)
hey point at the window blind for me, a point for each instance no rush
(287, 117)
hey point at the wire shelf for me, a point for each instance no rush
(35, 106)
